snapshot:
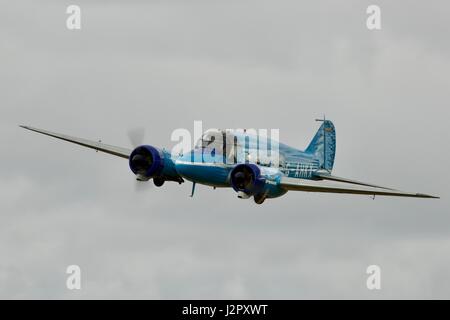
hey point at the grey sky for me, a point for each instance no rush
(260, 64)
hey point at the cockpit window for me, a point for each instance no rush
(204, 143)
(206, 140)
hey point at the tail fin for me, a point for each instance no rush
(323, 145)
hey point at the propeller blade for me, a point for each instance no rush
(136, 136)
(140, 186)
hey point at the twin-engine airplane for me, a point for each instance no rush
(230, 159)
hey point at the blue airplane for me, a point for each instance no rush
(224, 158)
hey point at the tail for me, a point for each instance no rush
(322, 148)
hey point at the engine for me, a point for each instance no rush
(146, 162)
(247, 179)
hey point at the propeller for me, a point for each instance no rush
(140, 186)
(136, 137)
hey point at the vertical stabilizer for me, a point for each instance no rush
(323, 145)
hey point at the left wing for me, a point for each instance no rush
(350, 188)
(116, 151)
(328, 176)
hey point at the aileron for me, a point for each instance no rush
(116, 151)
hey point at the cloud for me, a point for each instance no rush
(257, 64)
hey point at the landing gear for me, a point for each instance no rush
(259, 198)
(158, 181)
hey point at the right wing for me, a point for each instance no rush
(116, 151)
(350, 188)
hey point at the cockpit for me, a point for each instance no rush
(238, 147)
(214, 138)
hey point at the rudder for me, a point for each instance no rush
(322, 148)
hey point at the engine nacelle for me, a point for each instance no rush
(246, 178)
(146, 162)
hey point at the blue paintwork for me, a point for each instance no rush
(210, 167)
(157, 165)
(323, 145)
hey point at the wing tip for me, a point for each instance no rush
(27, 127)
(30, 128)
(423, 195)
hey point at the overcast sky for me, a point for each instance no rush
(232, 64)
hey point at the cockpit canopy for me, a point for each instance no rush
(214, 138)
(238, 146)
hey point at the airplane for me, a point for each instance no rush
(237, 161)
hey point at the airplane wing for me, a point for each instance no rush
(327, 176)
(98, 146)
(349, 188)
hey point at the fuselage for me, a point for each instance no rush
(210, 166)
